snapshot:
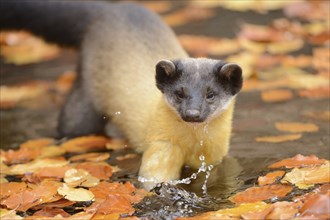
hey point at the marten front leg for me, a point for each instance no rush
(161, 162)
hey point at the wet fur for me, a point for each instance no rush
(120, 46)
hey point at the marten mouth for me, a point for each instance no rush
(193, 120)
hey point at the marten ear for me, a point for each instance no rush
(230, 76)
(165, 73)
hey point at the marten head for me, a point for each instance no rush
(198, 89)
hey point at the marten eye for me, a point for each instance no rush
(179, 94)
(210, 95)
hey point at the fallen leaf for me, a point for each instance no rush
(314, 10)
(75, 194)
(186, 15)
(285, 46)
(51, 212)
(102, 171)
(308, 175)
(298, 161)
(320, 115)
(277, 95)
(115, 204)
(116, 144)
(157, 6)
(78, 216)
(321, 56)
(65, 82)
(321, 92)
(6, 214)
(26, 48)
(7, 189)
(270, 178)
(21, 155)
(279, 138)
(113, 216)
(255, 194)
(208, 46)
(37, 143)
(57, 204)
(283, 210)
(44, 192)
(126, 156)
(316, 205)
(83, 144)
(74, 177)
(35, 165)
(296, 127)
(51, 151)
(231, 213)
(47, 173)
(95, 157)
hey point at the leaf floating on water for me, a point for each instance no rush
(94, 157)
(270, 178)
(298, 161)
(308, 175)
(276, 95)
(99, 170)
(86, 143)
(296, 127)
(279, 138)
(255, 194)
(75, 194)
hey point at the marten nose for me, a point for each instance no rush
(193, 114)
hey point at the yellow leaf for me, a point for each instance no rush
(296, 127)
(75, 194)
(279, 138)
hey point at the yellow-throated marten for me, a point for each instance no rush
(133, 70)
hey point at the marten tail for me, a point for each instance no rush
(62, 22)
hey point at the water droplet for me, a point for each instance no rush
(117, 113)
(201, 143)
(201, 158)
(104, 117)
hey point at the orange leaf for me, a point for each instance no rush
(283, 210)
(100, 170)
(22, 155)
(298, 161)
(316, 205)
(308, 175)
(276, 95)
(255, 194)
(115, 204)
(8, 189)
(51, 212)
(270, 178)
(320, 115)
(50, 172)
(95, 157)
(296, 127)
(321, 92)
(37, 143)
(83, 144)
(187, 14)
(279, 138)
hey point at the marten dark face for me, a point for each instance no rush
(198, 89)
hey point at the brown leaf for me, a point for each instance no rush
(298, 161)
(296, 127)
(22, 155)
(321, 92)
(208, 46)
(51, 212)
(94, 157)
(83, 144)
(10, 188)
(283, 210)
(308, 175)
(47, 173)
(101, 171)
(270, 178)
(309, 10)
(158, 6)
(316, 205)
(80, 177)
(186, 15)
(279, 138)
(115, 204)
(65, 82)
(255, 194)
(42, 193)
(116, 144)
(277, 95)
